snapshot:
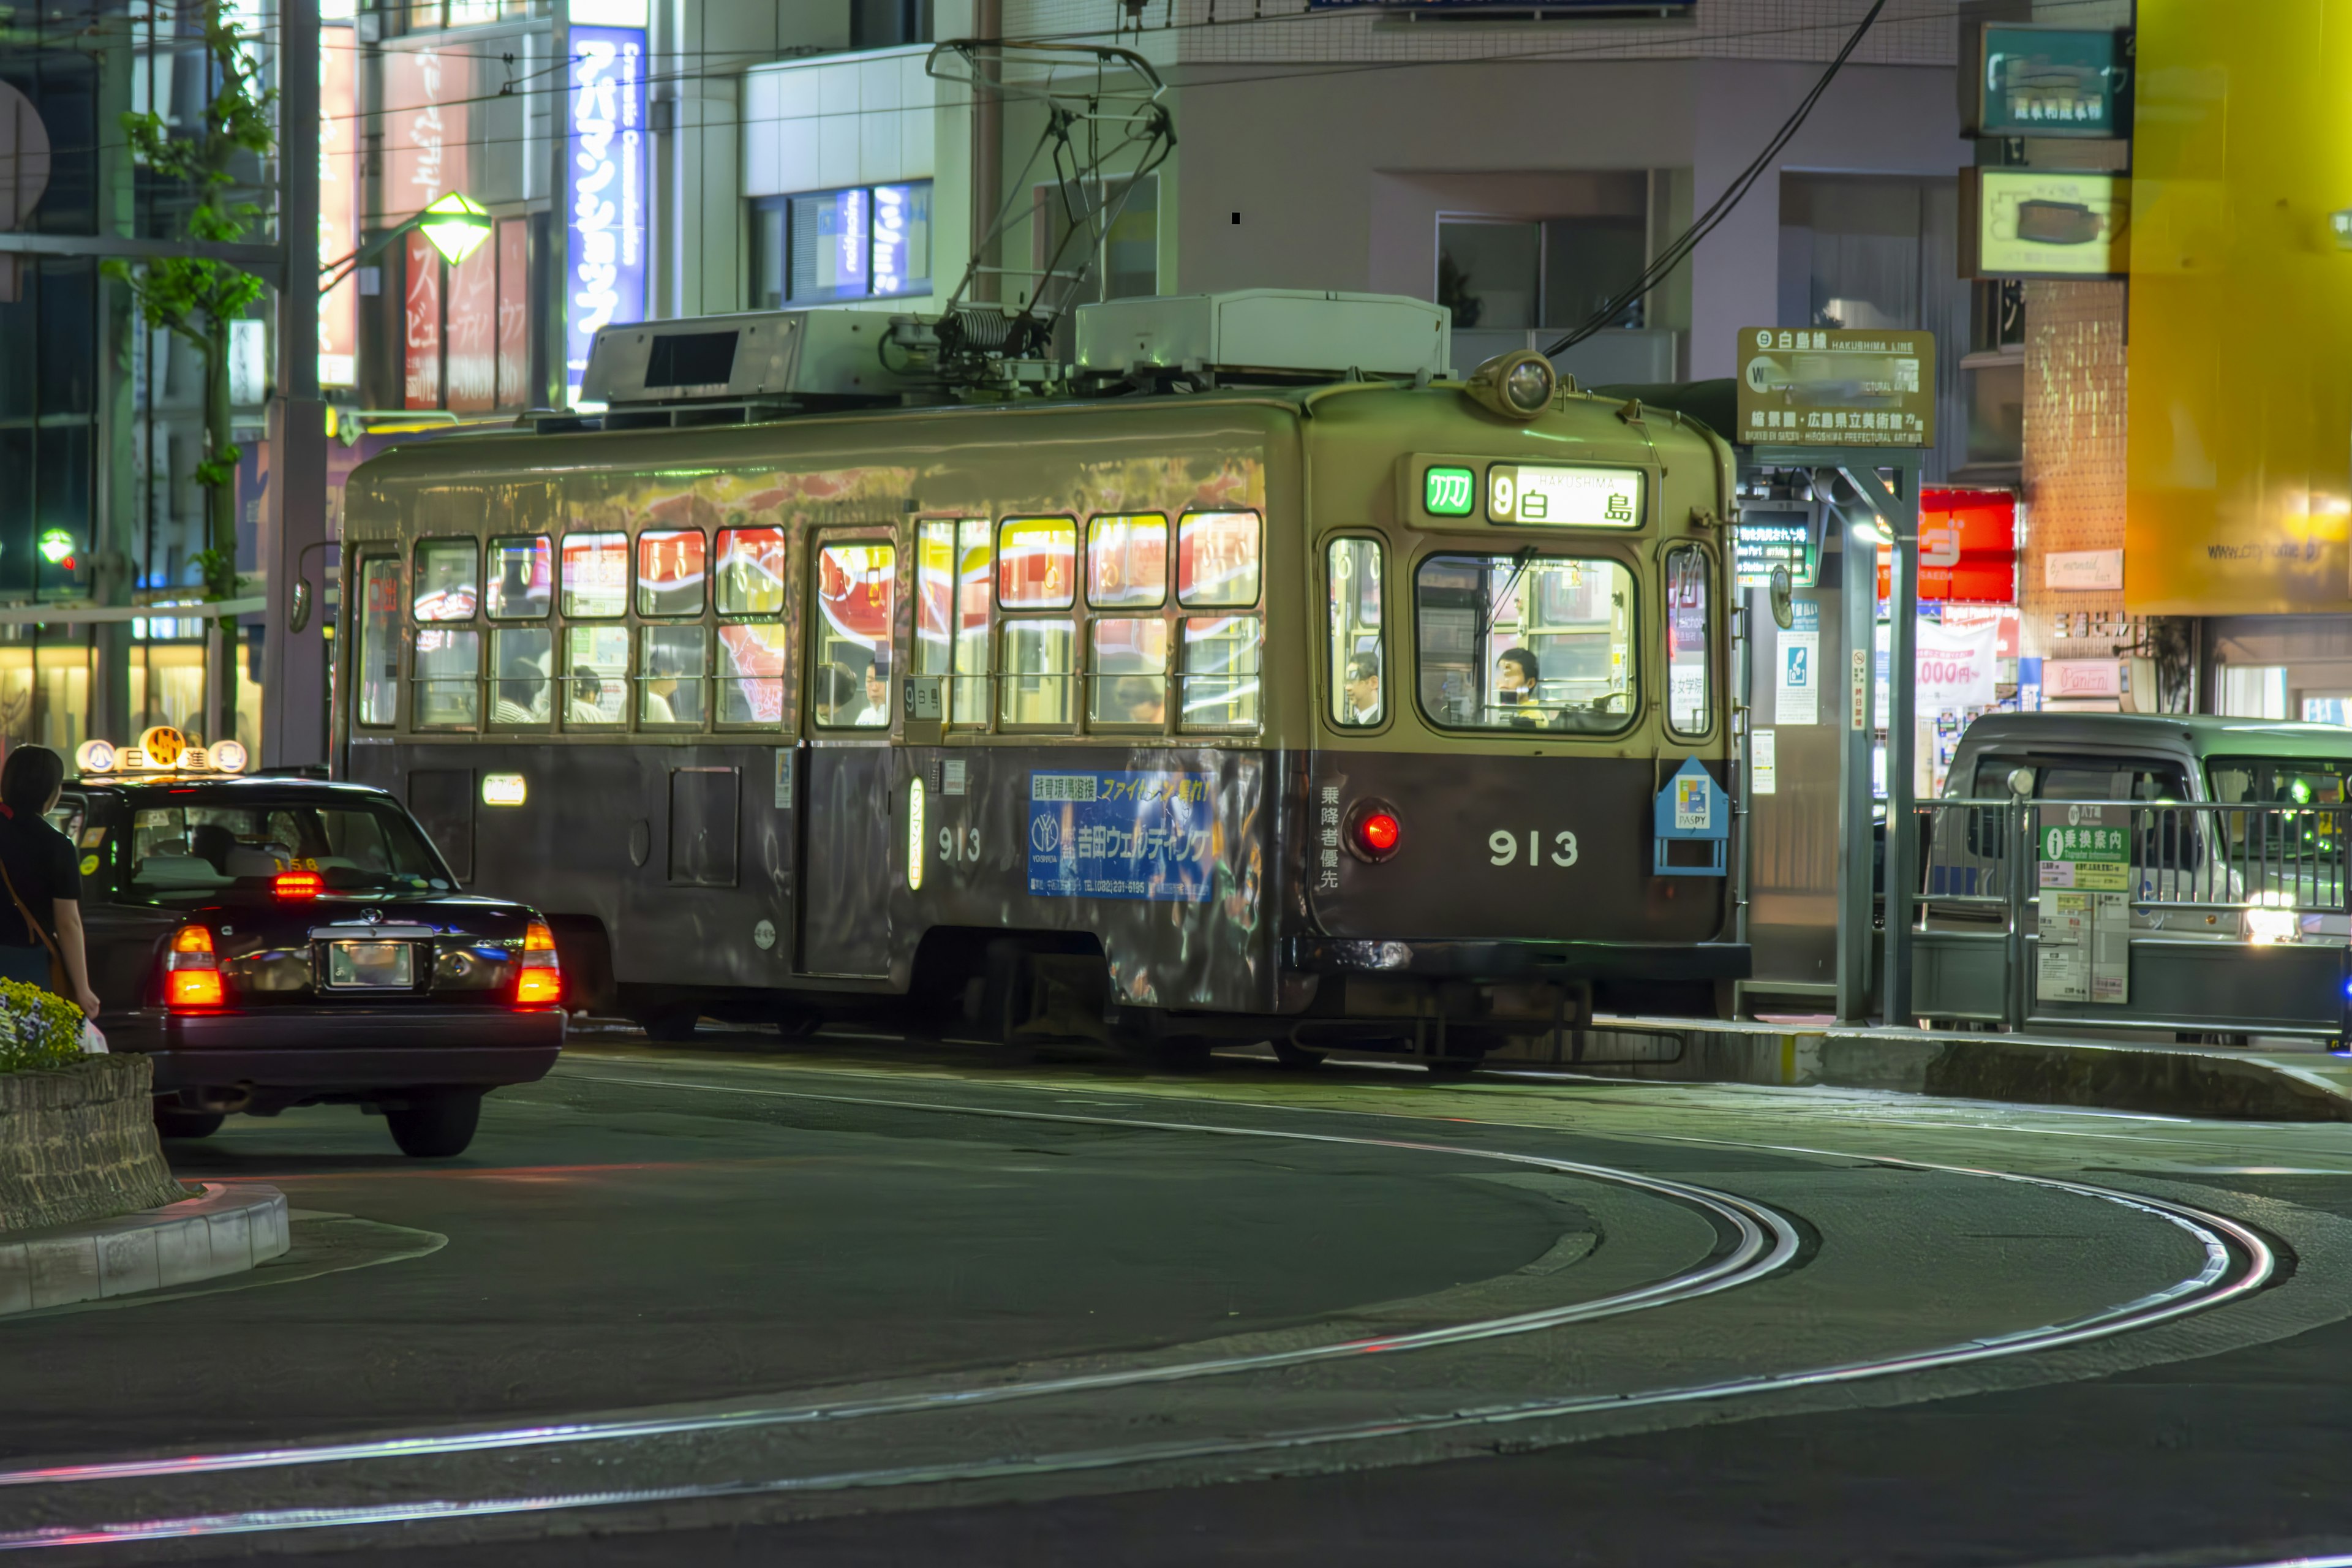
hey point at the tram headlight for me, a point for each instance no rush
(1517, 385)
(1373, 832)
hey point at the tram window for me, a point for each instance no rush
(1126, 671)
(521, 692)
(522, 579)
(1127, 563)
(595, 675)
(448, 693)
(670, 676)
(447, 586)
(751, 574)
(1688, 700)
(858, 593)
(1217, 560)
(1359, 666)
(595, 575)
(670, 571)
(1037, 682)
(379, 673)
(1222, 664)
(973, 573)
(934, 596)
(751, 681)
(1526, 642)
(1037, 563)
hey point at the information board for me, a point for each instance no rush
(1815, 386)
(1763, 538)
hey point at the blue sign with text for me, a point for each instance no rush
(603, 191)
(1121, 835)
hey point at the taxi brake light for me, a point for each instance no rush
(296, 884)
(195, 988)
(539, 982)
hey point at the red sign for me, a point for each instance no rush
(473, 330)
(421, 317)
(339, 230)
(514, 313)
(1968, 548)
(425, 95)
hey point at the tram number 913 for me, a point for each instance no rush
(1503, 848)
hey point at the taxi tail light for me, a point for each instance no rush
(296, 884)
(1374, 833)
(539, 982)
(191, 976)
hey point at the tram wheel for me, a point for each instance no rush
(1451, 1067)
(1296, 1058)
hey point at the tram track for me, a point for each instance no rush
(1759, 1242)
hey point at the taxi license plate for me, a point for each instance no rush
(371, 965)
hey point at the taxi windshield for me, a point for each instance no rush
(187, 844)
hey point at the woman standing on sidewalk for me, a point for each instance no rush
(40, 918)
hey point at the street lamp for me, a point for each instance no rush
(456, 225)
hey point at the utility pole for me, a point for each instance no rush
(294, 507)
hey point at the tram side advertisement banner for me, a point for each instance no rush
(1099, 835)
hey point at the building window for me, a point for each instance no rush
(868, 242)
(1519, 276)
(1125, 262)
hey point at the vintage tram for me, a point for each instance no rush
(1356, 707)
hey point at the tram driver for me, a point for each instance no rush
(1516, 675)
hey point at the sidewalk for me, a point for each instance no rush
(2274, 1082)
(226, 1231)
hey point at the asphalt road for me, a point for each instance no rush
(872, 1301)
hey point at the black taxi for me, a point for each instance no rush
(271, 941)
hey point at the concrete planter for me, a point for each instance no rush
(78, 1143)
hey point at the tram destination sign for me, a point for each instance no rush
(1558, 495)
(1815, 386)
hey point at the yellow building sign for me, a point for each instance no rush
(2240, 480)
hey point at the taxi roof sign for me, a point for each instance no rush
(160, 750)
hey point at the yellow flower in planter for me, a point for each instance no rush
(38, 1028)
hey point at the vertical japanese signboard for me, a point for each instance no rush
(339, 235)
(2085, 907)
(603, 191)
(421, 324)
(425, 92)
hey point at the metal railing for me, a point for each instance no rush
(2182, 916)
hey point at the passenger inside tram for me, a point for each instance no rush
(1363, 690)
(1139, 700)
(587, 704)
(876, 715)
(839, 699)
(523, 694)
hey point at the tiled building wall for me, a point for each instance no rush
(2073, 460)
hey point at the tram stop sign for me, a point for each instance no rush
(1827, 387)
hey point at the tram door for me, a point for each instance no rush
(844, 900)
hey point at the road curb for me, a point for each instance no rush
(2023, 1069)
(226, 1231)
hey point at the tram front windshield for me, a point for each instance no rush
(1526, 642)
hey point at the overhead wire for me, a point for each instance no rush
(1674, 254)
